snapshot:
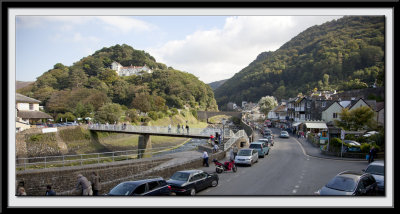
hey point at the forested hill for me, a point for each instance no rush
(90, 83)
(342, 54)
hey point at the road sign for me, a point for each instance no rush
(342, 133)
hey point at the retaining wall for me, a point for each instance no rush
(64, 180)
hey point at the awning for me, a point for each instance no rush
(316, 125)
(296, 123)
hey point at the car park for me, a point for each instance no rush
(146, 187)
(284, 134)
(246, 156)
(370, 133)
(261, 147)
(189, 182)
(350, 183)
(377, 170)
(354, 146)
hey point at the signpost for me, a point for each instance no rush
(342, 133)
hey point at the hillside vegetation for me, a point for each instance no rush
(89, 86)
(342, 54)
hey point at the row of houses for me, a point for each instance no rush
(27, 112)
(322, 108)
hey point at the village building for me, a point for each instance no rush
(129, 70)
(27, 112)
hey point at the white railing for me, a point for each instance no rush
(234, 138)
(204, 132)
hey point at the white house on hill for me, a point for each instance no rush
(129, 70)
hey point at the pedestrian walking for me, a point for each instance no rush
(372, 154)
(96, 186)
(84, 185)
(178, 128)
(235, 151)
(21, 191)
(231, 155)
(205, 159)
(169, 128)
(183, 129)
(187, 128)
(49, 191)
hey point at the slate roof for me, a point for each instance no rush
(19, 98)
(32, 114)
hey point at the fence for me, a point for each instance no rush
(204, 132)
(83, 159)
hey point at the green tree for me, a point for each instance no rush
(110, 112)
(267, 103)
(356, 119)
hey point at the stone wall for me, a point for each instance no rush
(63, 180)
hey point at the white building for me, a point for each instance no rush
(27, 112)
(129, 70)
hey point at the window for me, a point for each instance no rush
(140, 190)
(153, 185)
(323, 104)
(30, 106)
(334, 115)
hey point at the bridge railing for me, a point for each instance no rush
(159, 130)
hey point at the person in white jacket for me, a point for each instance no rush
(205, 159)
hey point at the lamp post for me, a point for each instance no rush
(223, 129)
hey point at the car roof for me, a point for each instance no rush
(138, 182)
(246, 149)
(263, 139)
(191, 171)
(352, 174)
(378, 163)
(257, 142)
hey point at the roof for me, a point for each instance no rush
(316, 125)
(19, 98)
(32, 114)
(380, 106)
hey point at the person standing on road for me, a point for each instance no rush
(21, 191)
(95, 183)
(235, 151)
(169, 128)
(178, 128)
(372, 154)
(205, 159)
(86, 187)
(187, 128)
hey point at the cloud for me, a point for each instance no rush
(218, 54)
(125, 24)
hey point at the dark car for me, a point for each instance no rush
(377, 169)
(189, 182)
(350, 183)
(146, 187)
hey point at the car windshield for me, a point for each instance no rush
(375, 169)
(123, 189)
(342, 183)
(244, 153)
(255, 146)
(180, 176)
(284, 132)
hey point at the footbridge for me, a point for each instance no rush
(144, 132)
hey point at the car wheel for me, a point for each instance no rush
(214, 183)
(234, 168)
(192, 191)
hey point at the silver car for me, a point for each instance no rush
(247, 156)
(377, 169)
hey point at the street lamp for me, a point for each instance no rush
(223, 129)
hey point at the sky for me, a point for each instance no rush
(210, 47)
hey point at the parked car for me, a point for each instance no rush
(146, 187)
(368, 134)
(284, 134)
(246, 156)
(269, 140)
(350, 183)
(189, 182)
(261, 147)
(267, 132)
(354, 146)
(377, 169)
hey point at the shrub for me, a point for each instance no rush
(153, 115)
(365, 147)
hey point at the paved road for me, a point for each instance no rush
(286, 171)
